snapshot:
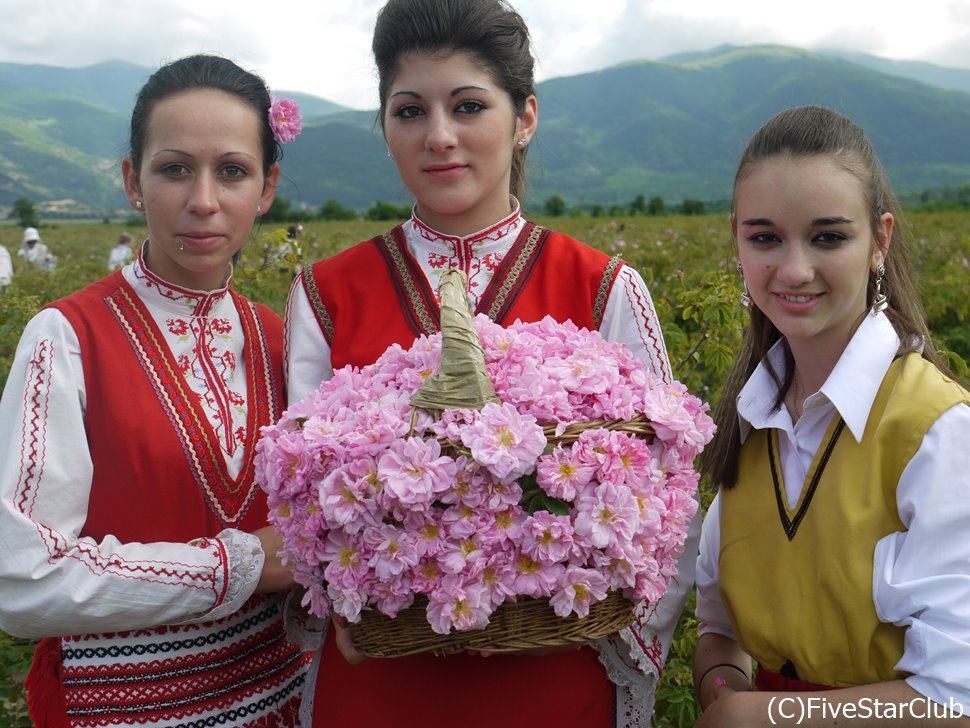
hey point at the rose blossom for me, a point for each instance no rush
(504, 441)
(582, 587)
(413, 471)
(284, 119)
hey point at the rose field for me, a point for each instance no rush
(688, 263)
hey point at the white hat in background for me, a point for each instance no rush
(31, 234)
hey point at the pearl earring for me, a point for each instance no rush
(139, 204)
(522, 142)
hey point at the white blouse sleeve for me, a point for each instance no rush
(630, 317)
(921, 576)
(306, 351)
(711, 615)
(635, 659)
(53, 581)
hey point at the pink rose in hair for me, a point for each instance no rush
(284, 119)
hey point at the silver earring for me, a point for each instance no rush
(259, 209)
(745, 300)
(522, 142)
(139, 204)
(181, 246)
(879, 302)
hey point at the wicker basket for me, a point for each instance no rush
(462, 381)
(514, 626)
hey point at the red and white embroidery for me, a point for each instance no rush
(33, 446)
(644, 314)
(238, 671)
(477, 256)
(227, 496)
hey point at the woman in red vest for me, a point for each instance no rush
(835, 554)
(133, 537)
(459, 111)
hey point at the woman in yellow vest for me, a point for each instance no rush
(835, 555)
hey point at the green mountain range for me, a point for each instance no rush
(672, 128)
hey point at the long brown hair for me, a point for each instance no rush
(809, 131)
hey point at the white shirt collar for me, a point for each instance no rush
(499, 232)
(169, 297)
(850, 388)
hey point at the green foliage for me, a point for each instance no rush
(554, 206)
(381, 210)
(333, 210)
(23, 210)
(639, 205)
(15, 656)
(676, 706)
(282, 211)
(944, 199)
(692, 207)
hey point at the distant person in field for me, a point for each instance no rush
(34, 252)
(122, 253)
(292, 246)
(133, 536)
(836, 554)
(459, 111)
(6, 267)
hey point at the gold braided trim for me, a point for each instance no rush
(313, 295)
(515, 272)
(417, 302)
(599, 305)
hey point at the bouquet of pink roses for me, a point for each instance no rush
(576, 482)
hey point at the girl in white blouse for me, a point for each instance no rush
(835, 553)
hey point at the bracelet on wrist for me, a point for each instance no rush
(721, 664)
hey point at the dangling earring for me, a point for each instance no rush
(879, 302)
(745, 300)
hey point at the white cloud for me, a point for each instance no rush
(324, 47)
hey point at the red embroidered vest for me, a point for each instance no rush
(159, 473)
(375, 294)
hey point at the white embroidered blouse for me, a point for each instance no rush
(45, 596)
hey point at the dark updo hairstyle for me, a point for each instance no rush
(799, 133)
(490, 31)
(205, 72)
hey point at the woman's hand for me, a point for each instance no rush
(734, 709)
(275, 576)
(345, 641)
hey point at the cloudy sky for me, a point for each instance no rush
(322, 46)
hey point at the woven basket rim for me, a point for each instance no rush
(514, 627)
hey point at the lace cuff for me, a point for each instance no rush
(245, 556)
(302, 628)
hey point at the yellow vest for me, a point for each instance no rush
(797, 582)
